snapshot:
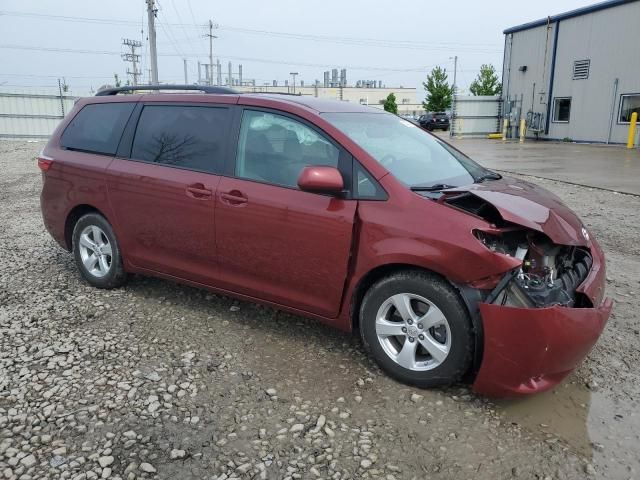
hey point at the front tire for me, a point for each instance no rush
(417, 329)
(97, 252)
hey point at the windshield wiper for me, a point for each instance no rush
(432, 188)
(488, 176)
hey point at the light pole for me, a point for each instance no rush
(455, 89)
(293, 75)
(455, 73)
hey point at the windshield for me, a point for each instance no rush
(413, 156)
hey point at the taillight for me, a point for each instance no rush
(44, 162)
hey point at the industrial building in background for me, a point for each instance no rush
(333, 86)
(574, 76)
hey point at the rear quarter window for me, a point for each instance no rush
(190, 137)
(97, 128)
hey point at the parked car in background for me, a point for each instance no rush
(336, 211)
(434, 121)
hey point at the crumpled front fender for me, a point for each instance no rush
(530, 350)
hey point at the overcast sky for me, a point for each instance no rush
(397, 41)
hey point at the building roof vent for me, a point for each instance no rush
(581, 69)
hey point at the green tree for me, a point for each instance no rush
(118, 83)
(439, 92)
(390, 104)
(486, 83)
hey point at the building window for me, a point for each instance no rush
(629, 103)
(581, 69)
(561, 109)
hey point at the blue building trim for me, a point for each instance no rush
(573, 13)
(551, 77)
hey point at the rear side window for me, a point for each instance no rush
(97, 128)
(190, 137)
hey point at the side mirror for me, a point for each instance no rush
(321, 179)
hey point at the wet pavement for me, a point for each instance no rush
(603, 429)
(612, 167)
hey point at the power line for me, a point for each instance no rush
(354, 41)
(362, 41)
(166, 28)
(193, 17)
(184, 29)
(250, 59)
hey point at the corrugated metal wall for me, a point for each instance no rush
(609, 39)
(476, 115)
(527, 68)
(31, 114)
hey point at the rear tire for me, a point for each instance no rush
(428, 341)
(97, 252)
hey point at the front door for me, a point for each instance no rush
(274, 241)
(164, 194)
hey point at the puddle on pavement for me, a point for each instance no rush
(602, 429)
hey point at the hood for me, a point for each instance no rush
(530, 206)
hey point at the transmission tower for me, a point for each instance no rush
(132, 57)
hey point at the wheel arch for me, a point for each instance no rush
(371, 277)
(470, 298)
(72, 218)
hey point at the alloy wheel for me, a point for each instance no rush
(413, 332)
(95, 251)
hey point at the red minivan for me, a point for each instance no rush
(335, 211)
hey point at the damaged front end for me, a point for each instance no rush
(549, 274)
(542, 318)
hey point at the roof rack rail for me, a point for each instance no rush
(277, 93)
(133, 88)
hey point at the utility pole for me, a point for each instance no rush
(293, 75)
(61, 97)
(186, 81)
(455, 74)
(132, 57)
(207, 76)
(153, 53)
(211, 37)
(455, 91)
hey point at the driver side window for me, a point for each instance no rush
(275, 149)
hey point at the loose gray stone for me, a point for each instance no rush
(105, 461)
(147, 467)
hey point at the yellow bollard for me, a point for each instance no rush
(632, 129)
(523, 126)
(460, 127)
(504, 129)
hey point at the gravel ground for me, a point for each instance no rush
(159, 380)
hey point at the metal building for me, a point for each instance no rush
(575, 75)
